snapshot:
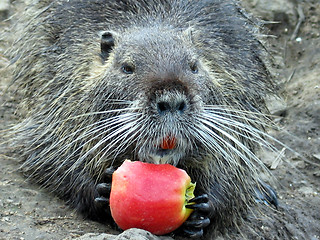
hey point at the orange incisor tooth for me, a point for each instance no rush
(168, 142)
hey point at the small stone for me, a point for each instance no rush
(317, 156)
(130, 234)
(299, 164)
(139, 234)
(316, 174)
(96, 236)
(4, 9)
(277, 106)
(306, 190)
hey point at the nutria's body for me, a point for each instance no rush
(107, 80)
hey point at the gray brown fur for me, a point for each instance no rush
(86, 112)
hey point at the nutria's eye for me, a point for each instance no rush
(194, 67)
(127, 68)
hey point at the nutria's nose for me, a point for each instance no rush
(172, 106)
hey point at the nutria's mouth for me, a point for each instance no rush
(167, 146)
(169, 142)
(167, 151)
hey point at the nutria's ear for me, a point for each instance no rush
(107, 43)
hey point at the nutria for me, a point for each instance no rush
(109, 80)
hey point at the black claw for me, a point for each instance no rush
(266, 194)
(203, 207)
(101, 202)
(200, 199)
(102, 194)
(104, 189)
(272, 196)
(107, 175)
(198, 223)
(199, 219)
(193, 233)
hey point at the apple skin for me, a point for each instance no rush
(150, 196)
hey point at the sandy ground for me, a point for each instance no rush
(27, 212)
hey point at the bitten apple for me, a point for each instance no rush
(150, 196)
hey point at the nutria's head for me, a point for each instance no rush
(166, 98)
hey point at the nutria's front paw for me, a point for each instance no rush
(103, 189)
(199, 218)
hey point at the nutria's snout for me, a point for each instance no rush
(172, 104)
(173, 107)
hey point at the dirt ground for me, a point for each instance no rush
(27, 212)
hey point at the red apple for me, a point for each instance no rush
(150, 196)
